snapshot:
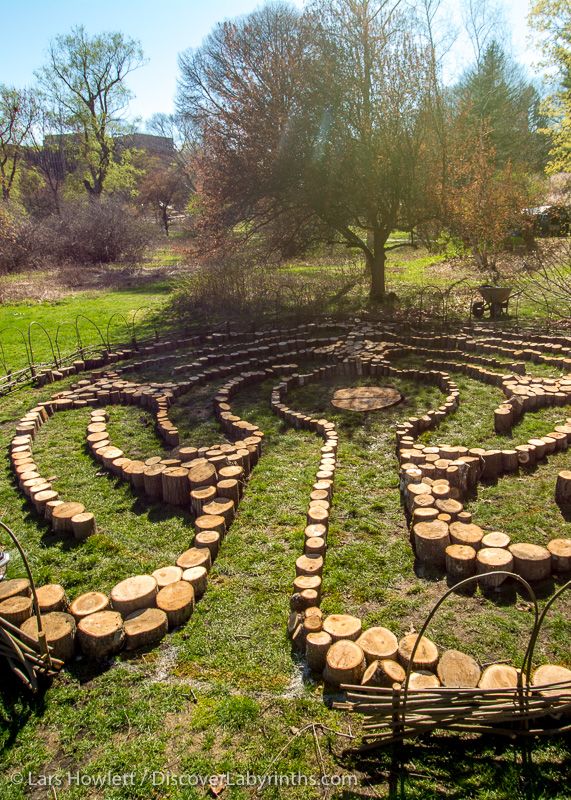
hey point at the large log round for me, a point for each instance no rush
(134, 593)
(88, 603)
(560, 550)
(457, 670)
(499, 676)
(549, 674)
(344, 663)
(426, 656)
(59, 628)
(531, 561)
(62, 515)
(14, 587)
(51, 597)
(342, 626)
(198, 579)
(16, 610)
(177, 601)
(378, 643)
(167, 575)
(430, 541)
(466, 534)
(100, 635)
(460, 562)
(195, 557)
(145, 628)
(316, 647)
(492, 560)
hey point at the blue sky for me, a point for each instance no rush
(164, 29)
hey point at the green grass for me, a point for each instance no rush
(225, 692)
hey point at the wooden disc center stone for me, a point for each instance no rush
(366, 398)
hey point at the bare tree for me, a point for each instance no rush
(18, 111)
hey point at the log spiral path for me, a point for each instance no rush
(210, 481)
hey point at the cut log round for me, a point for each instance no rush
(315, 546)
(62, 514)
(209, 539)
(210, 522)
(423, 680)
(134, 593)
(59, 628)
(220, 507)
(563, 487)
(467, 534)
(100, 634)
(229, 488)
(198, 579)
(51, 597)
(88, 603)
(450, 506)
(318, 516)
(458, 670)
(200, 497)
(177, 601)
(43, 497)
(342, 626)
(309, 565)
(153, 481)
(560, 550)
(390, 672)
(83, 525)
(499, 676)
(316, 647)
(195, 557)
(460, 562)
(14, 587)
(378, 644)
(426, 656)
(424, 514)
(16, 609)
(496, 539)
(167, 575)
(493, 559)
(430, 541)
(531, 562)
(203, 474)
(552, 673)
(344, 663)
(175, 487)
(145, 628)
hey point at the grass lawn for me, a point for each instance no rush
(225, 693)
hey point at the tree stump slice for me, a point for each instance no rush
(460, 562)
(344, 663)
(549, 674)
(220, 507)
(422, 680)
(496, 539)
(366, 398)
(175, 487)
(83, 525)
(430, 541)
(59, 628)
(210, 522)
(315, 546)
(198, 579)
(14, 587)
(202, 475)
(229, 488)
(377, 644)
(499, 676)
(177, 601)
(426, 514)
(467, 534)
(145, 628)
(458, 670)
(560, 550)
(87, 604)
(209, 539)
(100, 634)
(153, 481)
(309, 565)
(316, 647)
(164, 576)
(390, 672)
(134, 593)
(62, 515)
(531, 562)
(16, 609)
(41, 498)
(563, 487)
(200, 497)
(492, 559)
(450, 506)
(318, 516)
(426, 656)
(342, 626)
(51, 597)
(195, 557)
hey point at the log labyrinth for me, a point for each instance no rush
(210, 481)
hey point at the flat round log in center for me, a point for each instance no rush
(366, 398)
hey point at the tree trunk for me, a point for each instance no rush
(376, 258)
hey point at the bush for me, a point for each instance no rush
(19, 244)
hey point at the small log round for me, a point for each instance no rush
(342, 626)
(16, 609)
(177, 601)
(134, 593)
(466, 534)
(316, 647)
(198, 579)
(493, 559)
(164, 576)
(51, 597)
(229, 488)
(460, 562)
(496, 539)
(423, 680)
(560, 550)
(145, 628)
(531, 561)
(209, 539)
(220, 507)
(88, 603)
(344, 663)
(14, 587)
(430, 541)
(499, 676)
(210, 522)
(426, 514)
(315, 546)
(200, 497)
(563, 487)
(153, 481)
(426, 656)
(318, 516)
(43, 497)
(175, 487)
(377, 644)
(450, 506)
(309, 565)
(62, 515)
(390, 672)
(195, 557)
(59, 629)
(83, 525)
(100, 634)
(458, 670)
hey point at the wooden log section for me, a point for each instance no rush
(499, 676)
(230, 489)
(560, 550)
(51, 597)
(548, 674)
(458, 670)
(175, 487)
(198, 579)
(14, 587)
(430, 541)
(88, 603)
(303, 582)
(145, 628)
(424, 501)
(315, 546)
(342, 626)
(344, 663)
(164, 576)
(309, 565)
(426, 656)
(451, 507)
(414, 490)
(200, 497)
(83, 525)
(220, 507)
(153, 481)
(134, 593)
(492, 559)
(41, 498)
(16, 610)
(210, 522)
(100, 635)
(318, 516)
(460, 562)
(531, 561)
(317, 645)
(496, 539)
(50, 506)
(195, 557)
(62, 516)
(209, 539)
(503, 419)
(177, 601)
(377, 644)
(423, 680)
(108, 456)
(492, 464)
(563, 488)
(424, 514)
(135, 474)
(316, 530)
(467, 534)
(59, 629)
(510, 461)
(440, 490)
